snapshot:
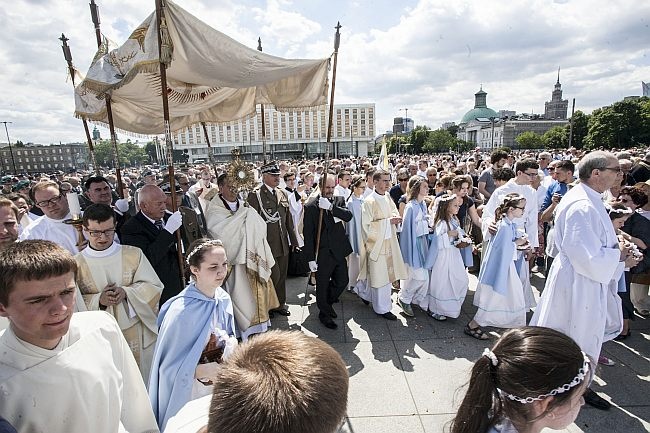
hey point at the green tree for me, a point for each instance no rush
(529, 140)
(620, 125)
(580, 129)
(556, 138)
(130, 153)
(440, 141)
(418, 138)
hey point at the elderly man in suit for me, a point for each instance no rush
(152, 230)
(272, 204)
(329, 261)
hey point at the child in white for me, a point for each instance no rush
(499, 294)
(449, 280)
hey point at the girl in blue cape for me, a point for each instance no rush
(413, 245)
(183, 367)
(449, 280)
(499, 293)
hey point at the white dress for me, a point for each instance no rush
(449, 280)
(496, 309)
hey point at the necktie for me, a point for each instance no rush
(159, 225)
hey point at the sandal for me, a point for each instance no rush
(475, 332)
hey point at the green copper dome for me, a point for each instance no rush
(480, 108)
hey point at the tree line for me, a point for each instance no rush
(621, 125)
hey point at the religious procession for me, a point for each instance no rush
(150, 300)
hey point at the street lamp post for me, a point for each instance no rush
(11, 152)
(492, 137)
(406, 119)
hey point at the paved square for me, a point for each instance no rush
(407, 375)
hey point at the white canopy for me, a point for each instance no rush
(211, 78)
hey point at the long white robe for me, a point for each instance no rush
(125, 266)
(580, 297)
(64, 235)
(249, 284)
(381, 262)
(449, 280)
(88, 383)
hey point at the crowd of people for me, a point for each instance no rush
(178, 300)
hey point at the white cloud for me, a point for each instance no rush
(429, 55)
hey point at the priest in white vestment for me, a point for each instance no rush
(120, 280)
(62, 372)
(243, 233)
(526, 171)
(51, 225)
(580, 296)
(382, 263)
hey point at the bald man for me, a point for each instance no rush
(153, 230)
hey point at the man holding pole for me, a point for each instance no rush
(328, 249)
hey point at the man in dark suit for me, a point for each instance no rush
(329, 262)
(152, 230)
(272, 204)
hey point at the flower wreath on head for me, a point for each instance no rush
(210, 243)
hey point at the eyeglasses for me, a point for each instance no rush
(616, 169)
(522, 208)
(183, 183)
(46, 203)
(403, 179)
(99, 233)
(530, 174)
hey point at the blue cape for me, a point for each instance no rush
(184, 325)
(498, 257)
(413, 248)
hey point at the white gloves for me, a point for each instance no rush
(174, 222)
(313, 266)
(122, 204)
(324, 203)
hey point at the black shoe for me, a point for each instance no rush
(593, 399)
(282, 311)
(271, 314)
(327, 321)
(364, 301)
(389, 316)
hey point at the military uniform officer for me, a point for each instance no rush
(272, 204)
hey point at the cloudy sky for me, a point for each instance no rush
(429, 56)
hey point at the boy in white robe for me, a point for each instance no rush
(119, 280)
(60, 372)
(526, 171)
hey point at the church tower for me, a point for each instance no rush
(557, 107)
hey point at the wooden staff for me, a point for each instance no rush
(337, 41)
(94, 13)
(68, 58)
(259, 48)
(210, 157)
(168, 133)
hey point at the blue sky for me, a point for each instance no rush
(428, 56)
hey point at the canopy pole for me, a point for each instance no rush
(210, 158)
(94, 13)
(168, 135)
(68, 57)
(259, 48)
(337, 42)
